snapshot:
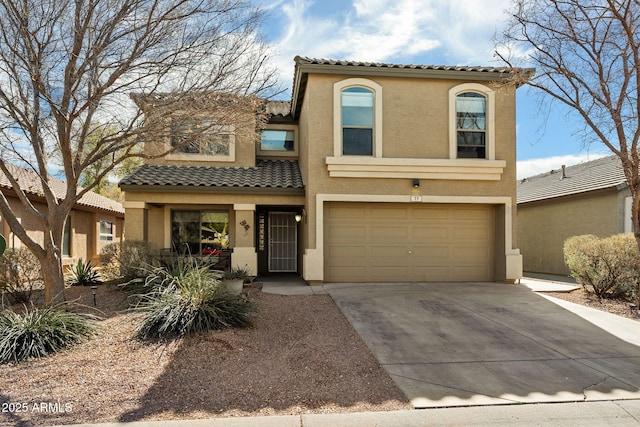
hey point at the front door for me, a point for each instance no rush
(283, 238)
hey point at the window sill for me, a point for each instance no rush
(449, 169)
(200, 157)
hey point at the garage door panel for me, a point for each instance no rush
(348, 233)
(375, 242)
(382, 232)
(432, 233)
(426, 253)
(471, 233)
(385, 251)
(431, 214)
(347, 251)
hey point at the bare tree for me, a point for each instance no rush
(66, 65)
(587, 56)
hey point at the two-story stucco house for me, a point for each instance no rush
(372, 173)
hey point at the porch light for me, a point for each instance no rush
(298, 217)
(416, 183)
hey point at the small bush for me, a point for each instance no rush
(609, 267)
(237, 273)
(186, 299)
(83, 274)
(20, 274)
(40, 332)
(128, 260)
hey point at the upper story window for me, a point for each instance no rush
(357, 118)
(471, 125)
(357, 121)
(471, 122)
(199, 137)
(277, 140)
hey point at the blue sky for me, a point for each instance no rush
(442, 32)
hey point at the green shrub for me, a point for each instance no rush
(128, 260)
(20, 274)
(186, 299)
(608, 267)
(237, 273)
(40, 332)
(83, 274)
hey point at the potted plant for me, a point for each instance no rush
(234, 279)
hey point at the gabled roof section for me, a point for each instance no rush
(269, 176)
(30, 184)
(305, 66)
(597, 174)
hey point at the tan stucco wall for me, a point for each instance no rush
(85, 231)
(544, 226)
(244, 134)
(159, 205)
(415, 125)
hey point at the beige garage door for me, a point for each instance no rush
(386, 242)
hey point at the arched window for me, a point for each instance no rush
(357, 118)
(471, 122)
(357, 121)
(471, 125)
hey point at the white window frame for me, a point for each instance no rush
(490, 132)
(338, 87)
(106, 237)
(275, 153)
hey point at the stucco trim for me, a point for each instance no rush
(490, 119)
(313, 259)
(338, 87)
(451, 169)
(134, 205)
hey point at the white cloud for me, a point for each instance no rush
(531, 167)
(455, 32)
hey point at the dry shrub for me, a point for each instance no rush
(128, 260)
(608, 267)
(20, 274)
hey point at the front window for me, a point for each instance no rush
(192, 136)
(471, 125)
(357, 121)
(277, 140)
(199, 232)
(106, 231)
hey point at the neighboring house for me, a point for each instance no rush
(372, 173)
(589, 198)
(94, 222)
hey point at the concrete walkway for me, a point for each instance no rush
(589, 414)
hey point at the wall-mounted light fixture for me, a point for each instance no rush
(300, 216)
(416, 183)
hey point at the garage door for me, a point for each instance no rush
(386, 242)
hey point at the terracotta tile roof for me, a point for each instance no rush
(597, 174)
(30, 183)
(281, 174)
(301, 60)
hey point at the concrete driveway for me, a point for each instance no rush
(457, 344)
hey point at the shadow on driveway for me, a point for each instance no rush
(457, 344)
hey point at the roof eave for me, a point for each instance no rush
(139, 188)
(302, 69)
(617, 187)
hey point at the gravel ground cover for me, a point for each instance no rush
(580, 296)
(300, 356)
